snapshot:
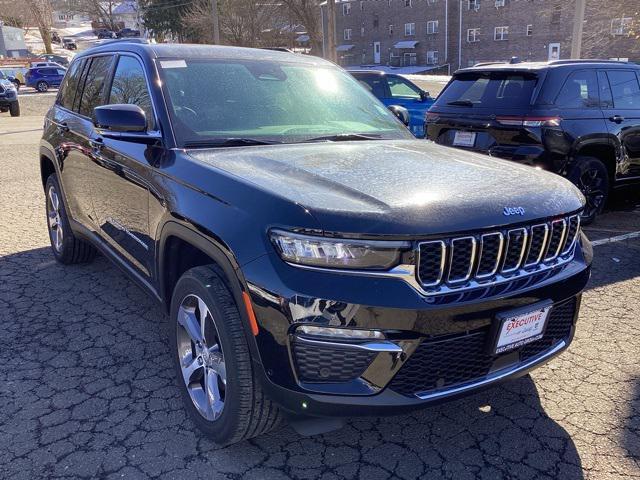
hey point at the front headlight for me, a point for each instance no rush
(337, 253)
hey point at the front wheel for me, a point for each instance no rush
(590, 175)
(16, 83)
(42, 86)
(14, 109)
(213, 363)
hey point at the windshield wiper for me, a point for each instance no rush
(228, 142)
(343, 137)
(461, 103)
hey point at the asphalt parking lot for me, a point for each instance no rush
(87, 389)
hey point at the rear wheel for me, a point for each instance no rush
(590, 175)
(42, 86)
(219, 388)
(66, 247)
(14, 109)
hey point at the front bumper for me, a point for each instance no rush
(443, 349)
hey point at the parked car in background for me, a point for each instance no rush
(46, 64)
(315, 259)
(393, 89)
(9, 98)
(128, 33)
(44, 78)
(577, 118)
(69, 43)
(14, 75)
(105, 33)
(59, 59)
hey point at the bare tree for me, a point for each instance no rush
(307, 13)
(41, 12)
(100, 10)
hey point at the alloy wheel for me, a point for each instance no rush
(592, 186)
(201, 357)
(53, 217)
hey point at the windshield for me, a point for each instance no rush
(489, 90)
(213, 100)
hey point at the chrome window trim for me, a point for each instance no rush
(443, 259)
(543, 249)
(522, 250)
(498, 259)
(548, 257)
(474, 246)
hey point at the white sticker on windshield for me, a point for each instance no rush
(173, 64)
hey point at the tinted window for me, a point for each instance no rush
(375, 84)
(606, 99)
(94, 85)
(70, 85)
(130, 86)
(580, 90)
(490, 89)
(402, 88)
(60, 71)
(625, 88)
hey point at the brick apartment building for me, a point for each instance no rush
(449, 34)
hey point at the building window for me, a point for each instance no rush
(346, 9)
(500, 3)
(409, 29)
(621, 26)
(432, 27)
(362, 31)
(390, 29)
(473, 35)
(473, 5)
(529, 30)
(407, 3)
(376, 21)
(347, 34)
(432, 57)
(501, 33)
(361, 5)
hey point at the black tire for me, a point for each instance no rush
(69, 250)
(590, 175)
(17, 84)
(247, 412)
(42, 86)
(14, 109)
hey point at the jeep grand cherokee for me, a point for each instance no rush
(314, 258)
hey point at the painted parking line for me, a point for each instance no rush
(618, 238)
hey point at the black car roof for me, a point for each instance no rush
(537, 66)
(169, 50)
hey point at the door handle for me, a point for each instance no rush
(617, 119)
(96, 144)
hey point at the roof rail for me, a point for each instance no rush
(123, 40)
(584, 60)
(484, 64)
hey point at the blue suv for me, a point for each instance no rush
(392, 89)
(42, 78)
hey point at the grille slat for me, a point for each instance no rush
(453, 360)
(458, 260)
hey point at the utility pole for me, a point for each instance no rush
(331, 31)
(216, 22)
(578, 21)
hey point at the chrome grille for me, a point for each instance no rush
(456, 261)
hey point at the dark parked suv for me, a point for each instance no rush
(578, 118)
(315, 259)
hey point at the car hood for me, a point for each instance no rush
(398, 187)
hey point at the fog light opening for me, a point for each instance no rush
(341, 333)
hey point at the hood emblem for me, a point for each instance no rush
(513, 211)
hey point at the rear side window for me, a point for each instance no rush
(94, 85)
(130, 86)
(402, 88)
(580, 90)
(490, 90)
(70, 85)
(625, 88)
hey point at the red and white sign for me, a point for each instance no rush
(518, 330)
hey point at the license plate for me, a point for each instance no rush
(518, 329)
(464, 139)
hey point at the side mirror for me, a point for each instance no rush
(400, 112)
(424, 95)
(120, 118)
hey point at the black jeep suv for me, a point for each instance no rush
(314, 258)
(578, 118)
